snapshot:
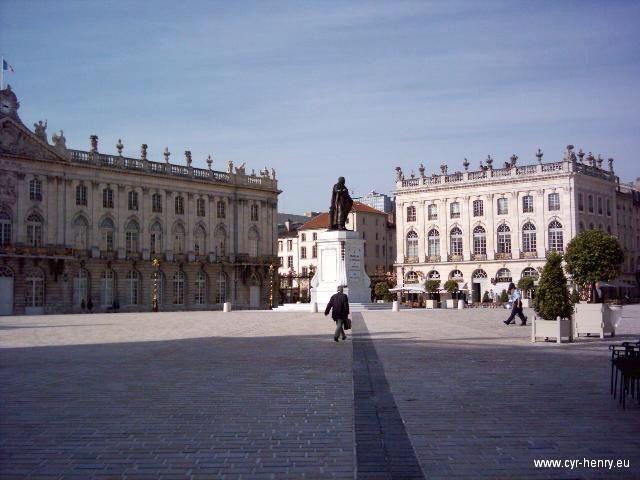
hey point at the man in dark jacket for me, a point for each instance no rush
(339, 307)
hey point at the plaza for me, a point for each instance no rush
(257, 394)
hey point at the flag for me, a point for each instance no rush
(6, 66)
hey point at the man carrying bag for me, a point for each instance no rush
(339, 307)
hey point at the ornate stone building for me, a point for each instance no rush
(488, 227)
(78, 225)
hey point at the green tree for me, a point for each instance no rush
(575, 296)
(526, 284)
(504, 296)
(486, 298)
(552, 295)
(432, 287)
(381, 290)
(592, 256)
(452, 287)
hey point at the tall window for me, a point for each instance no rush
(455, 210)
(107, 198)
(289, 245)
(554, 201)
(254, 213)
(456, 241)
(133, 200)
(432, 212)
(590, 203)
(35, 289)
(156, 238)
(411, 213)
(179, 204)
(35, 189)
(478, 208)
(555, 237)
(608, 207)
(156, 203)
(314, 251)
(303, 252)
(201, 288)
(433, 243)
(107, 232)
(200, 211)
(131, 236)
(199, 240)
(314, 236)
(303, 237)
(81, 287)
(220, 209)
(254, 242)
(503, 206)
(599, 205)
(178, 239)
(108, 287)
(81, 195)
(133, 287)
(220, 237)
(479, 241)
(529, 237)
(412, 245)
(527, 204)
(178, 288)
(504, 239)
(290, 261)
(221, 291)
(80, 230)
(34, 230)
(5, 228)
(580, 202)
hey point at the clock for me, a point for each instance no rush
(8, 102)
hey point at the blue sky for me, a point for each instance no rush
(319, 89)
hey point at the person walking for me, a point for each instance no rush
(339, 307)
(515, 299)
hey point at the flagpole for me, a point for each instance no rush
(2, 75)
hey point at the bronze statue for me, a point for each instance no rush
(341, 204)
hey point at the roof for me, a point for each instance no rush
(322, 220)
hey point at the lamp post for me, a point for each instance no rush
(271, 270)
(154, 294)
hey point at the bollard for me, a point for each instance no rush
(314, 307)
(460, 305)
(395, 307)
(226, 307)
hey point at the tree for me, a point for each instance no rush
(526, 284)
(504, 296)
(592, 256)
(552, 295)
(451, 286)
(486, 298)
(575, 296)
(432, 287)
(381, 291)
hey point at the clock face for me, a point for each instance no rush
(7, 104)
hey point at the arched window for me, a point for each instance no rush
(412, 245)
(221, 291)
(503, 275)
(133, 287)
(178, 288)
(479, 274)
(479, 241)
(200, 240)
(220, 209)
(156, 237)
(433, 275)
(108, 287)
(530, 272)
(107, 232)
(80, 233)
(254, 241)
(555, 237)
(201, 288)
(81, 287)
(160, 285)
(81, 195)
(433, 243)
(35, 189)
(411, 277)
(456, 275)
(132, 234)
(456, 241)
(5, 228)
(504, 239)
(220, 237)
(529, 242)
(34, 230)
(411, 213)
(35, 288)
(178, 239)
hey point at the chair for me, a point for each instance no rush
(625, 360)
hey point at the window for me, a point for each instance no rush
(220, 209)
(455, 210)
(432, 212)
(599, 205)
(80, 230)
(280, 246)
(34, 230)
(179, 204)
(220, 237)
(156, 203)
(107, 198)
(81, 195)
(456, 275)
(303, 237)
(503, 206)
(479, 241)
(478, 208)
(156, 238)
(35, 289)
(107, 231)
(580, 202)
(377, 250)
(200, 211)
(433, 243)
(5, 228)
(290, 261)
(35, 190)
(132, 232)
(554, 201)
(411, 277)
(303, 252)
(133, 287)
(529, 237)
(201, 288)
(412, 245)
(608, 207)
(108, 287)
(178, 288)
(555, 237)
(178, 239)
(531, 273)
(315, 237)
(305, 271)
(456, 241)
(133, 200)
(254, 213)
(81, 287)
(221, 291)
(411, 213)
(433, 275)
(254, 241)
(581, 227)
(504, 239)
(199, 240)
(590, 203)
(527, 204)
(503, 275)
(314, 251)
(289, 245)
(281, 261)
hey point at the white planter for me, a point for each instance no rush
(558, 329)
(526, 303)
(594, 318)
(226, 307)
(395, 307)
(430, 304)
(452, 303)
(460, 305)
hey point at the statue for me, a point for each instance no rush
(273, 173)
(229, 166)
(241, 169)
(59, 140)
(341, 204)
(40, 129)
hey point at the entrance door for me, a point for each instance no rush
(475, 293)
(6, 291)
(254, 297)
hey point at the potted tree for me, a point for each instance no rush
(591, 257)
(552, 303)
(504, 297)
(526, 285)
(381, 291)
(451, 286)
(486, 298)
(432, 287)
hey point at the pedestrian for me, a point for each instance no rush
(339, 307)
(515, 299)
(90, 305)
(83, 305)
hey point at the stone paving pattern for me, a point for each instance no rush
(264, 395)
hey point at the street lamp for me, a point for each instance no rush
(154, 294)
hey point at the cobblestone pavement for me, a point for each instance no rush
(270, 395)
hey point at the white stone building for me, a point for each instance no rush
(488, 227)
(78, 225)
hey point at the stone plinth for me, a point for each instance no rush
(340, 262)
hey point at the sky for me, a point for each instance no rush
(321, 89)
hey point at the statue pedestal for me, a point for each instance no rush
(340, 262)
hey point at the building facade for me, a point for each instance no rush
(379, 201)
(489, 227)
(80, 225)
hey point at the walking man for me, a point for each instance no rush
(339, 307)
(515, 298)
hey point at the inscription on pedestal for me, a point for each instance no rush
(354, 265)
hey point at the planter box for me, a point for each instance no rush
(526, 303)
(593, 318)
(451, 303)
(558, 329)
(430, 304)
